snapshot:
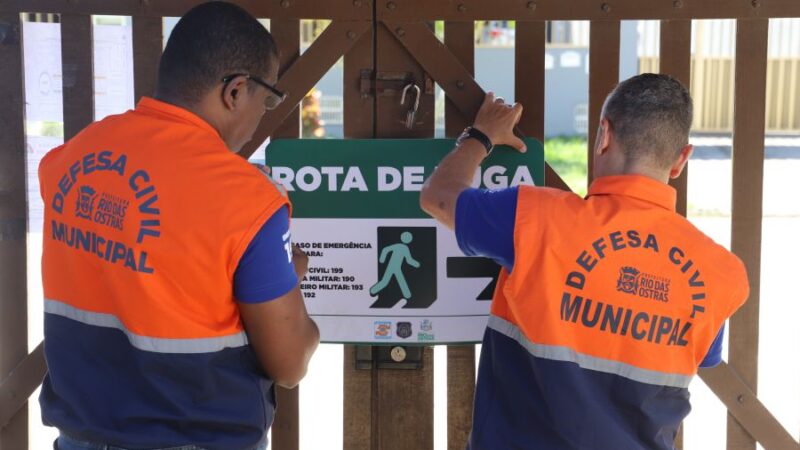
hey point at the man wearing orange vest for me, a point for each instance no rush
(172, 304)
(606, 305)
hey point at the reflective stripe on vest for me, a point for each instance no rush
(561, 353)
(148, 344)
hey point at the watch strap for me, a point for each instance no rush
(480, 136)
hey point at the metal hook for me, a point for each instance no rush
(418, 92)
(413, 112)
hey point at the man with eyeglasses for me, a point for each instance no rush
(172, 301)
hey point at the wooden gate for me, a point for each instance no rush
(385, 44)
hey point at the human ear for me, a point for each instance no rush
(677, 167)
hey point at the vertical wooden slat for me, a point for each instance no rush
(748, 177)
(147, 47)
(459, 37)
(391, 56)
(529, 87)
(77, 81)
(359, 403)
(529, 76)
(404, 413)
(603, 75)
(359, 109)
(460, 394)
(286, 33)
(676, 59)
(359, 123)
(13, 211)
(286, 427)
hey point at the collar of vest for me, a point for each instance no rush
(148, 105)
(636, 186)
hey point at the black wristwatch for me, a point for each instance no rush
(480, 136)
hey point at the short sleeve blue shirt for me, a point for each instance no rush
(265, 271)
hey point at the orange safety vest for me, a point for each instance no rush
(612, 303)
(147, 215)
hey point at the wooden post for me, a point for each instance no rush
(359, 123)
(459, 37)
(286, 427)
(529, 76)
(676, 58)
(13, 212)
(748, 177)
(78, 79)
(603, 75)
(403, 411)
(147, 47)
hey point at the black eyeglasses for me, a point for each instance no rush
(280, 95)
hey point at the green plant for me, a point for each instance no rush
(311, 115)
(567, 156)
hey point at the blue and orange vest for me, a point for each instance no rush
(147, 215)
(612, 303)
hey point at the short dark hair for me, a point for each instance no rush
(209, 42)
(650, 115)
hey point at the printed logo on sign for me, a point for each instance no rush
(423, 337)
(426, 326)
(426, 331)
(383, 330)
(404, 330)
(85, 203)
(645, 285)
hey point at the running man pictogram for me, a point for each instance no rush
(398, 254)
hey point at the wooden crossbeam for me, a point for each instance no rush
(522, 10)
(746, 409)
(273, 9)
(298, 79)
(20, 384)
(445, 68)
